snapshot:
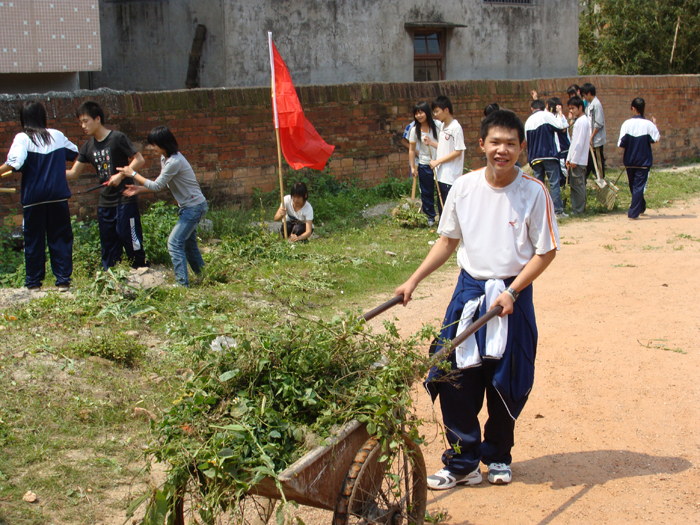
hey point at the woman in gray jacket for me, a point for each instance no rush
(177, 174)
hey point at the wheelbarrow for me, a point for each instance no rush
(353, 475)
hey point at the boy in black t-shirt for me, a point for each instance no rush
(118, 216)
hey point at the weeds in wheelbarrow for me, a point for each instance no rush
(251, 410)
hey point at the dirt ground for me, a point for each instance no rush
(611, 433)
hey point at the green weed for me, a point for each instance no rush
(120, 348)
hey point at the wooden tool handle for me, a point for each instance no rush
(8, 190)
(383, 307)
(481, 321)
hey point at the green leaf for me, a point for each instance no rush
(226, 453)
(275, 435)
(228, 375)
(134, 504)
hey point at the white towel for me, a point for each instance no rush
(467, 354)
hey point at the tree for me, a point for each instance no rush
(639, 37)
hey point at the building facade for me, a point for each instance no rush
(44, 45)
(161, 44)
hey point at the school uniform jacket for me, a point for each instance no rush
(636, 136)
(541, 133)
(43, 167)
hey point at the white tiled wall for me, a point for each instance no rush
(49, 36)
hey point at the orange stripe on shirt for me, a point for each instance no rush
(549, 207)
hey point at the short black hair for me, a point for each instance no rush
(575, 101)
(163, 138)
(442, 102)
(299, 190)
(502, 118)
(573, 90)
(92, 109)
(588, 88)
(639, 104)
(491, 108)
(537, 104)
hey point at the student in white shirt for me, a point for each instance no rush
(298, 212)
(502, 224)
(577, 158)
(449, 164)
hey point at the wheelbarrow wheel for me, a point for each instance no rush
(384, 486)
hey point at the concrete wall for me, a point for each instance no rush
(228, 136)
(146, 44)
(329, 42)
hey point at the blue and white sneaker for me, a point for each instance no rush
(500, 474)
(443, 479)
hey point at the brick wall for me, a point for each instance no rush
(228, 136)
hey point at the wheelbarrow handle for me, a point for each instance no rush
(383, 307)
(481, 321)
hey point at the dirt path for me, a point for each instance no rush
(611, 433)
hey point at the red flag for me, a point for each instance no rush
(302, 146)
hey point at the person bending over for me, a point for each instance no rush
(177, 174)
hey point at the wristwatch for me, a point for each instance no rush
(513, 293)
(133, 174)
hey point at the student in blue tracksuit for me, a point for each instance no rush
(543, 150)
(41, 154)
(636, 137)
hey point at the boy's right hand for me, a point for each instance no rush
(406, 289)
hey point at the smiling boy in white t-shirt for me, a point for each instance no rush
(504, 225)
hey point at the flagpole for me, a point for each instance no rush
(277, 131)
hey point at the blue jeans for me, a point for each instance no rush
(182, 243)
(553, 171)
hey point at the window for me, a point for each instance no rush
(428, 55)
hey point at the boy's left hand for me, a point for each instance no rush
(434, 164)
(504, 300)
(115, 179)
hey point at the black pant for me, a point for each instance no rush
(120, 231)
(294, 227)
(461, 399)
(444, 192)
(601, 163)
(48, 222)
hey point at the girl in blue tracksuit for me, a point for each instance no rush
(40, 154)
(636, 137)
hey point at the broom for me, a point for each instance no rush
(605, 194)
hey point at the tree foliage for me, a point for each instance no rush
(636, 37)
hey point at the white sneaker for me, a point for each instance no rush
(443, 479)
(500, 474)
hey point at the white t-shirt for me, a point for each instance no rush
(306, 213)
(501, 228)
(451, 139)
(425, 153)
